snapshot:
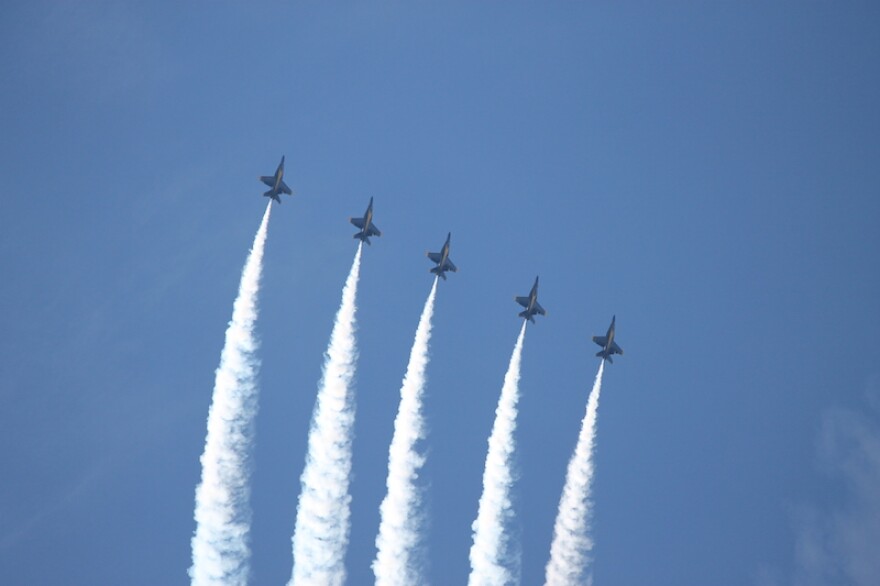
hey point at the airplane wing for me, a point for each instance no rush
(524, 301)
(449, 266)
(374, 231)
(285, 189)
(615, 348)
(270, 181)
(359, 222)
(601, 340)
(435, 256)
(540, 309)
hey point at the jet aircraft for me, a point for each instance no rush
(531, 304)
(366, 225)
(609, 346)
(442, 260)
(276, 183)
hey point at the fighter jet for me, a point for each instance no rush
(442, 260)
(276, 183)
(609, 346)
(366, 225)
(531, 304)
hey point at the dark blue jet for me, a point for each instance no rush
(442, 260)
(609, 346)
(366, 225)
(276, 183)
(531, 304)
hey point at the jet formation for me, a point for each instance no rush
(443, 262)
(366, 225)
(531, 304)
(609, 346)
(276, 183)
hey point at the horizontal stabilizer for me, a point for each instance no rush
(527, 315)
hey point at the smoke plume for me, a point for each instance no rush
(494, 561)
(220, 545)
(572, 539)
(322, 520)
(400, 527)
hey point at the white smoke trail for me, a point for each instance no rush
(220, 545)
(572, 541)
(492, 561)
(322, 518)
(400, 527)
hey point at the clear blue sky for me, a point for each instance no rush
(707, 172)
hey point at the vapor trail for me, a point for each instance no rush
(493, 560)
(572, 542)
(220, 548)
(400, 527)
(322, 518)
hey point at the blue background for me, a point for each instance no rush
(706, 171)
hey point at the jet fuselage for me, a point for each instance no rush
(609, 346)
(442, 259)
(531, 304)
